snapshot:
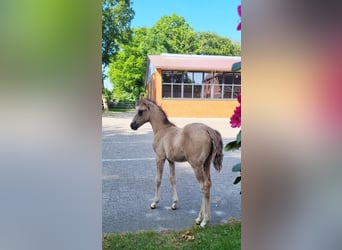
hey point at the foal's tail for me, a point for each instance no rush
(217, 146)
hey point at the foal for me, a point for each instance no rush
(196, 143)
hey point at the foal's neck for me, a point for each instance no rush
(160, 121)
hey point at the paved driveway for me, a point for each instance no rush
(128, 174)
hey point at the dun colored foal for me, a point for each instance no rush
(196, 143)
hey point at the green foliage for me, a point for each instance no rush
(237, 180)
(237, 167)
(209, 43)
(225, 236)
(127, 71)
(107, 93)
(236, 66)
(235, 145)
(238, 138)
(116, 20)
(171, 34)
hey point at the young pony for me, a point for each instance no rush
(196, 143)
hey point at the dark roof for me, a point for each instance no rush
(193, 62)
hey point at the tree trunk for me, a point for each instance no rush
(104, 99)
(104, 103)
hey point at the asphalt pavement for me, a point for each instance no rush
(128, 179)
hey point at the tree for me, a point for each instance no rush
(128, 68)
(210, 43)
(116, 20)
(171, 34)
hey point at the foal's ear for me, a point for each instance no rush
(144, 102)
(141, 98)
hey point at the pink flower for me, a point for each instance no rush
(239, 12)
(235, 119)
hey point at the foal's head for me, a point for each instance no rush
(143, 114)
(149, 111)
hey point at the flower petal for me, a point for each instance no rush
(239, 12)
(239, 27)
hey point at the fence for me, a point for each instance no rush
(121, 105)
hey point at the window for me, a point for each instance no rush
(200, 85)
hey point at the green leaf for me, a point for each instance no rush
(238, 137)
(231, 146)
(237, 167)
(237, 180)
(236, 66)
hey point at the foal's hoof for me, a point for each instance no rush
(203, 224)
(198, 221)
(153, 205)
(174, 206)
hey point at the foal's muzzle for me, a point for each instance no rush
(134, 125)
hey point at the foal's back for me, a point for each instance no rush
(182, 144)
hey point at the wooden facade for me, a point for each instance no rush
(181, 84)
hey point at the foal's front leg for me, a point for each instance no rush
(159, 174)
(173, 185)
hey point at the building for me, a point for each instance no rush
(193, 85)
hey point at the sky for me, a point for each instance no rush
(218, 16)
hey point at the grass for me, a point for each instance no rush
(224, 236)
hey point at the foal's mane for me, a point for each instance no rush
(165, 118)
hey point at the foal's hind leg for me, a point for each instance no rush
(203, 176)
(199, 175)
(206, 196)
(173, 185)
(159, 174)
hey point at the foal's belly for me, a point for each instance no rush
(177, 158)
(176, 154)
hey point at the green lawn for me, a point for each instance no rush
(224, 236)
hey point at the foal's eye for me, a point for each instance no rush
(140, 112)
